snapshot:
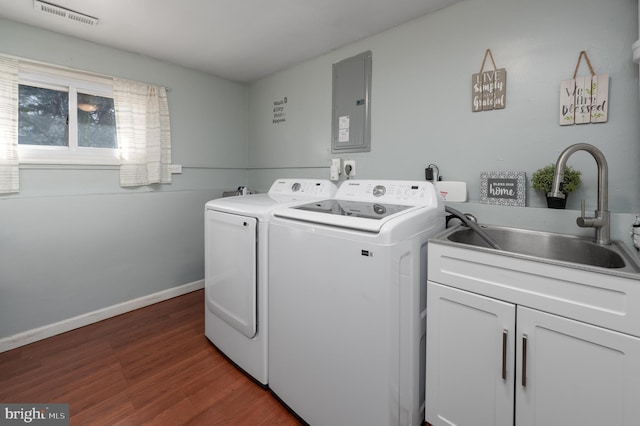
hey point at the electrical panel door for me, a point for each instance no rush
(350, 124)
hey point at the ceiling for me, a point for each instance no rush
(240, 40)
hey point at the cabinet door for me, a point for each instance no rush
(470, 358)
(576, 374)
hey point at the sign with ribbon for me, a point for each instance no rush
(489, 88)
(584, 99)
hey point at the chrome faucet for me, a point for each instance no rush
(602, 221)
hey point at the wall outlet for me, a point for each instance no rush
(349, 167)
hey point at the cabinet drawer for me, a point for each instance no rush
(601, 299)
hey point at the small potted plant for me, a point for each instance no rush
(542, 179)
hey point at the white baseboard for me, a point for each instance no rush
(30, 336)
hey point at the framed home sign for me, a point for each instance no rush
(503, 188)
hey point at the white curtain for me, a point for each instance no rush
(9, 171)
(144, 134)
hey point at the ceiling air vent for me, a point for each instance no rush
(64, 13)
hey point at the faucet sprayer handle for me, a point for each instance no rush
(589, 222)
(583, 221)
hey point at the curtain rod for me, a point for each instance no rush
(75, 70)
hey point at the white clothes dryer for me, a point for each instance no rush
(236, 273)
(347, 303)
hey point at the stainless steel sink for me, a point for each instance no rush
(550, 246)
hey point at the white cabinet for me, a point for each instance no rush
(574, 373)
(470, 358)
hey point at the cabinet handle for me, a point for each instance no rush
(505, 334)
(524, 360)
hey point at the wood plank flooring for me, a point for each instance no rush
(150, 366)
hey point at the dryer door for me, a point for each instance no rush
(230, 269)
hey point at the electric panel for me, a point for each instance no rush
(350, 123)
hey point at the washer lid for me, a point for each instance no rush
(368, 210)
(358, 215)
(366, 205)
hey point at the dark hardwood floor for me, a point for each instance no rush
(150, 366)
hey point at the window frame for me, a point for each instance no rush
(48, 77)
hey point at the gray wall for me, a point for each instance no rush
(421, 104)
(72, 241)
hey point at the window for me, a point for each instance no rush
(65, 117)
(42, 116)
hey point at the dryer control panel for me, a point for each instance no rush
(311, 187)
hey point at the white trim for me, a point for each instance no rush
(58, 79)
(30, 154)
(40, 333)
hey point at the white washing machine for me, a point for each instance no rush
(347, 303)
(236, 274)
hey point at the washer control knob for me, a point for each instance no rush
(379, 190)
(378, 209)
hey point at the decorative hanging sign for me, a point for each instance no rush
(584, 99)
(489, 88)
